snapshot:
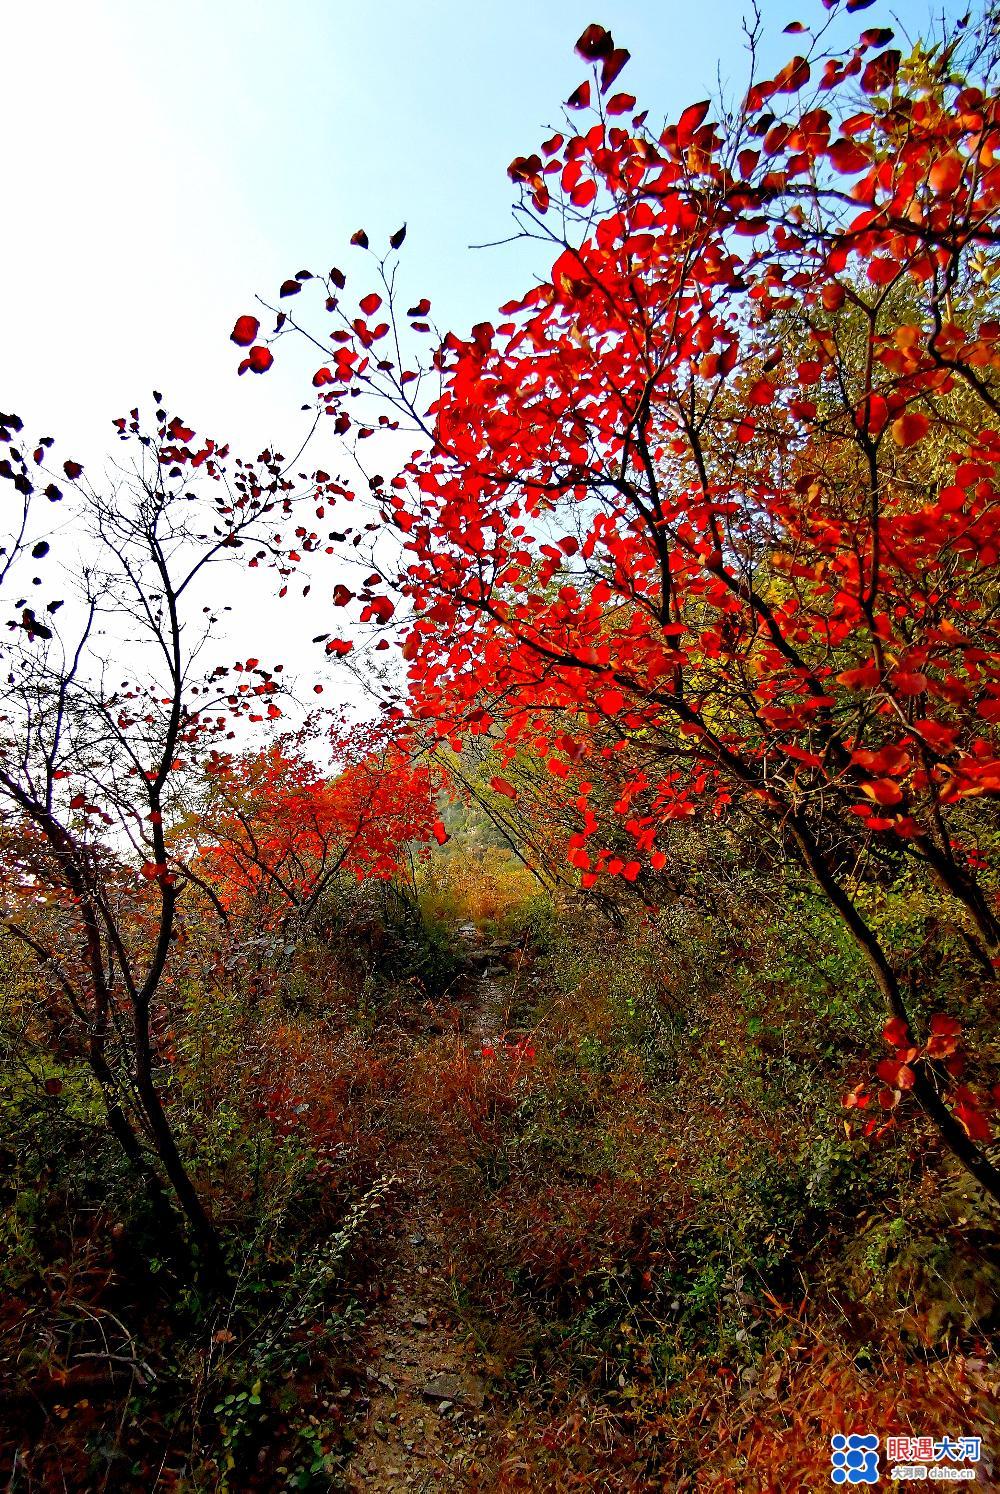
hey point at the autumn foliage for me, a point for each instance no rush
(717, 496)
(641, 943)
(274, 832)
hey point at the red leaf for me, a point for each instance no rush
(896, 1033)
(880, 74)
(620, 103)
(379, 608)
(691, 120)
(896, 1073)
(360, 238)
(73, 470)
(793, 76)
(883, 791)
(290, 288)
(945, 1035)
(865, 678)
(245, 331)
(973, 1120)
(579, 98)
(179, 430)
(595, 42)
(521, 169)
(908, 682)
(882, 270)
(258, 360)
(370, 304)
(503, 786)
(848, 158)
(612, 66)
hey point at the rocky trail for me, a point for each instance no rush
(428, 1423)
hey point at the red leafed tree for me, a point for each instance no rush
(275, 832)
(727, 480)
(109, 602)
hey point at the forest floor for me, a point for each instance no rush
(525, 1204)
(428, 1423)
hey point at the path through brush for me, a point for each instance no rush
(429, 1424)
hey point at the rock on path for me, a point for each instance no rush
(426, 1419)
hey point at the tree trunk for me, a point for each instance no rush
(203, 1232)
(951, 1132)
(124, 1134)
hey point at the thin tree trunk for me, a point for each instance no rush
(124, 1133)
(961, 1146)
(203, 1231)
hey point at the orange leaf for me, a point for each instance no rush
(865, 678)
(946, 174)
(910, 428)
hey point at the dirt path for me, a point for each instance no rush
(428, 1424)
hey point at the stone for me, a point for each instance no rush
(453, 1389)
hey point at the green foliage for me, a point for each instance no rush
(233, 1390)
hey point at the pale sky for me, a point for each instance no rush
(165, 162)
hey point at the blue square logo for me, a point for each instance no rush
(854, 1459)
